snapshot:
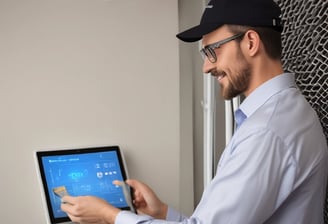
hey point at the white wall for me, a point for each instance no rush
(77, 73)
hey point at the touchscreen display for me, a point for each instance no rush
(83, 173)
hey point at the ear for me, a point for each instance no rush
(252, 40)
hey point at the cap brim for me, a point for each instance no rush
(196, 33)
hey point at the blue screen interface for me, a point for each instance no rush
(84, 174)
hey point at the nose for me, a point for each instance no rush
(207, 66)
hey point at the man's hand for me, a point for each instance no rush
(88, 209)
(146, 201)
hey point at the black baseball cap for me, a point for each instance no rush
(255, 13)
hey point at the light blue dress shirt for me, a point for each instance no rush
(274, 169)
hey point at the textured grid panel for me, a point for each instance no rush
(305, 40)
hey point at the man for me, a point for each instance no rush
(274, 168)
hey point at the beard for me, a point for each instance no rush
(238, 79)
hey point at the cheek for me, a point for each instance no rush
(238, 74)
(229, 62)
(227, 58)
(241, 78)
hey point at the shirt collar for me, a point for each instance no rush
(262, 93)
(239, 117)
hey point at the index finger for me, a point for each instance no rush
(67, 199)
(134, 183)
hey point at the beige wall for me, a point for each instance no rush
(77, 73)
(192, 80)
(191, 77)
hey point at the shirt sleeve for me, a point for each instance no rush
(173, 217)
(125, 217)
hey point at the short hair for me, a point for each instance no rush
(270, 38)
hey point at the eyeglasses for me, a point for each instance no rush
(208, 51)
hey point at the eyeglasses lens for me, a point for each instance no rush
(211, 55)
(208, 53)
